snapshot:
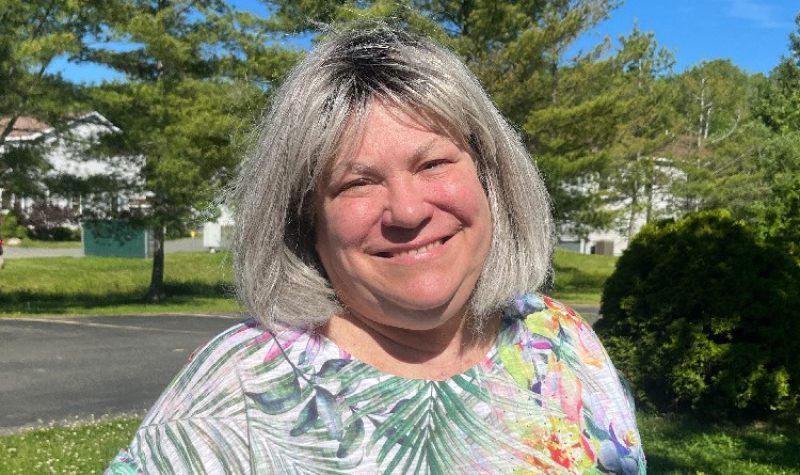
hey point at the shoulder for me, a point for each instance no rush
(570, 366)
(212, 371)
(559, 333)
(202, 409)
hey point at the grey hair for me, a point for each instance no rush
(320, 106)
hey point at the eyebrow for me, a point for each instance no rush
(362, 168)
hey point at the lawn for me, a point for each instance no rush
(680, 445)
(30, 243)
(78, 447)
(579, 278)
(673, 446)
(194, 283)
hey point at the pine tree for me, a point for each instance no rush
(640, 175)
(33, 33)
(197, 74)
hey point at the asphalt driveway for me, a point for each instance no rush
(176, 245)
(60, 368)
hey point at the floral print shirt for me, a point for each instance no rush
(545, 399)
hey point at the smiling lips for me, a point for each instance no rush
(414, 252)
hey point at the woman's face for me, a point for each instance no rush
(403, 224)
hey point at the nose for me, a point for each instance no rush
(406, 205)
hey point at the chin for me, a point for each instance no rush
(419, 314)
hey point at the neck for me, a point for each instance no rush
(438, 353)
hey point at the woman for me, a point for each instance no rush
(389, 224)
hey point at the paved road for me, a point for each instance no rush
(177, 245)
(57, 368)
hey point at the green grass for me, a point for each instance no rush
(49, 244)
(193, 282)
(673, 446)
(77, 448)
(579, 278)
(680, 445)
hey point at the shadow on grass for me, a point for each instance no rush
(54, 302)
(783, 453)
(679, 444)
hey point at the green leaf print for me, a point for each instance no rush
(282, 394)
(306, 419)
(351, 441)
(331, 367)
(328, 410)
(418, 435)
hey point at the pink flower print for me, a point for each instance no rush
(282, 342)
(562, 385)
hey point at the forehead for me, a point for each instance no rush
(378, 125)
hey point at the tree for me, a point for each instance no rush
(197, 74)
(778, 104)
(32, 34)
(718, 146)
(646, 122)
(777, 211)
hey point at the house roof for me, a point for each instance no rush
(25, 127)
(31, 128)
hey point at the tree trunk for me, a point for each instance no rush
(156, 291)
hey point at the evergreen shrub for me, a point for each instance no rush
(699, 315)
(10, 227)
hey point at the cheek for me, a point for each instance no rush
(343, 225)
(466, 199)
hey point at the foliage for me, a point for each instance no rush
(196, 73)
(719, 141)
(776, 213)
(778, 104)
(47, 222)
(195, 282)
(77, 447)
(645, 124)
(700, 315)
(32, 34)
(10, 227)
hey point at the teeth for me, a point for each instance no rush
(418, 250)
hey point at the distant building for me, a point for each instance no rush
(66, 154)
(656, 203)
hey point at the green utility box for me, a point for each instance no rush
(116, 238)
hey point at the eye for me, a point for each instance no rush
(433, 164)
(356, 183)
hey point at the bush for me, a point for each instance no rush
(11, 228)
(699, 315)
(52, 223)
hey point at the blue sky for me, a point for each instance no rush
(754, 34)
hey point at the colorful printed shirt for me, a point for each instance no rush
(545, 399)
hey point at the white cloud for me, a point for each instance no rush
(758, 12)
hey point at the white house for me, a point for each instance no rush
(613, 241)
(66, 154)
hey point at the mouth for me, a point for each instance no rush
(413, 252)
